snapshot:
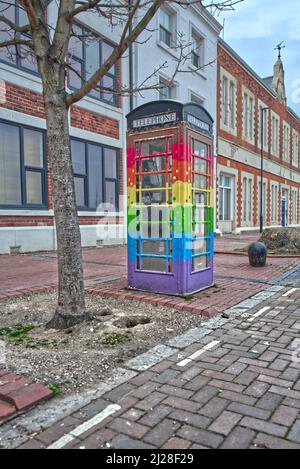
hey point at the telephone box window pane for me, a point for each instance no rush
(110, 194)
(200, 166)
(201, 198)
(78, 157)
(200, 263)
(95, 176)
(200, 246)
(201, 182)
(157, 248)
(200, 149)
(33, 148)
(154, 197)
(34, 191)
(154, 264)
(10, 171)
(80, 191)
(155, 147)
(110, 163)
(153, 164)
(153, 181)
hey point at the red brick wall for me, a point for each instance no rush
(28, 102)
(244, 78)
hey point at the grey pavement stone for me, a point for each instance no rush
(150, 358)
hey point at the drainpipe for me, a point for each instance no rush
(130, 68)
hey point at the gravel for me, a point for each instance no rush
(81, 357)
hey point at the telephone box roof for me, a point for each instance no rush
(166, 112)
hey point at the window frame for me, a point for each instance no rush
(172, 90)
(18, 60)
(85, 177)
(24, 168)
(82, 61)
(197, 49)
(169, 33)
(225, 189)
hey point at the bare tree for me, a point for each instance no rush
(49, 46)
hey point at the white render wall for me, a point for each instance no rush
(146, 57)
(43, 238)
(153, 53)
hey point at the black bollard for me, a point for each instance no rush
(257, 254)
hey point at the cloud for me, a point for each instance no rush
(267, 18)
(254, 29)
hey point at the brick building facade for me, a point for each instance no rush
(97, 129)
(244, 100)
(97, 123)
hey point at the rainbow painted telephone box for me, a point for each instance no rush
(170, 167)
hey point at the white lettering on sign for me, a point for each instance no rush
(197, 122)
(155, 120)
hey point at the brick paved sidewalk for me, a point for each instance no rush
(233, 386)
(105, 274)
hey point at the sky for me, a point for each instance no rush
(255, 28)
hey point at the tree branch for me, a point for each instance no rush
(116, 54)
(16, 28)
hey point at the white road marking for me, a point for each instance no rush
(259, 313)
(198, 353)
(290, 292)
(84, 427)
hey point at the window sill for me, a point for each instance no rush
(26, 213)
(167, 49)
(200, 72)
(15, 71)
(82, 213)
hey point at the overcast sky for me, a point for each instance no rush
(255, 28)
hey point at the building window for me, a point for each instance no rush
(247, 200)
(86, 57)
(95, 174)
(248, 117)
(264, 201)
(274, 204)
(19, 56)
(196, 99)
(286, 142)
(166, 27)
(225, 196)
(225, 100)
(232, 105)
(197, 53)
(166, 90)
(295, 149)
(275, 135)
(265, 112)
(22, 167)
(294, 206)
(228, 103)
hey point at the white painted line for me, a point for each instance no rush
(84, 427)
(259, 313)
(62, 442)
(198, 353)
(290, 292)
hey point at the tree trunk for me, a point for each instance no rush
(71, 303)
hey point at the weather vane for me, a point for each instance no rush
(279, 47)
